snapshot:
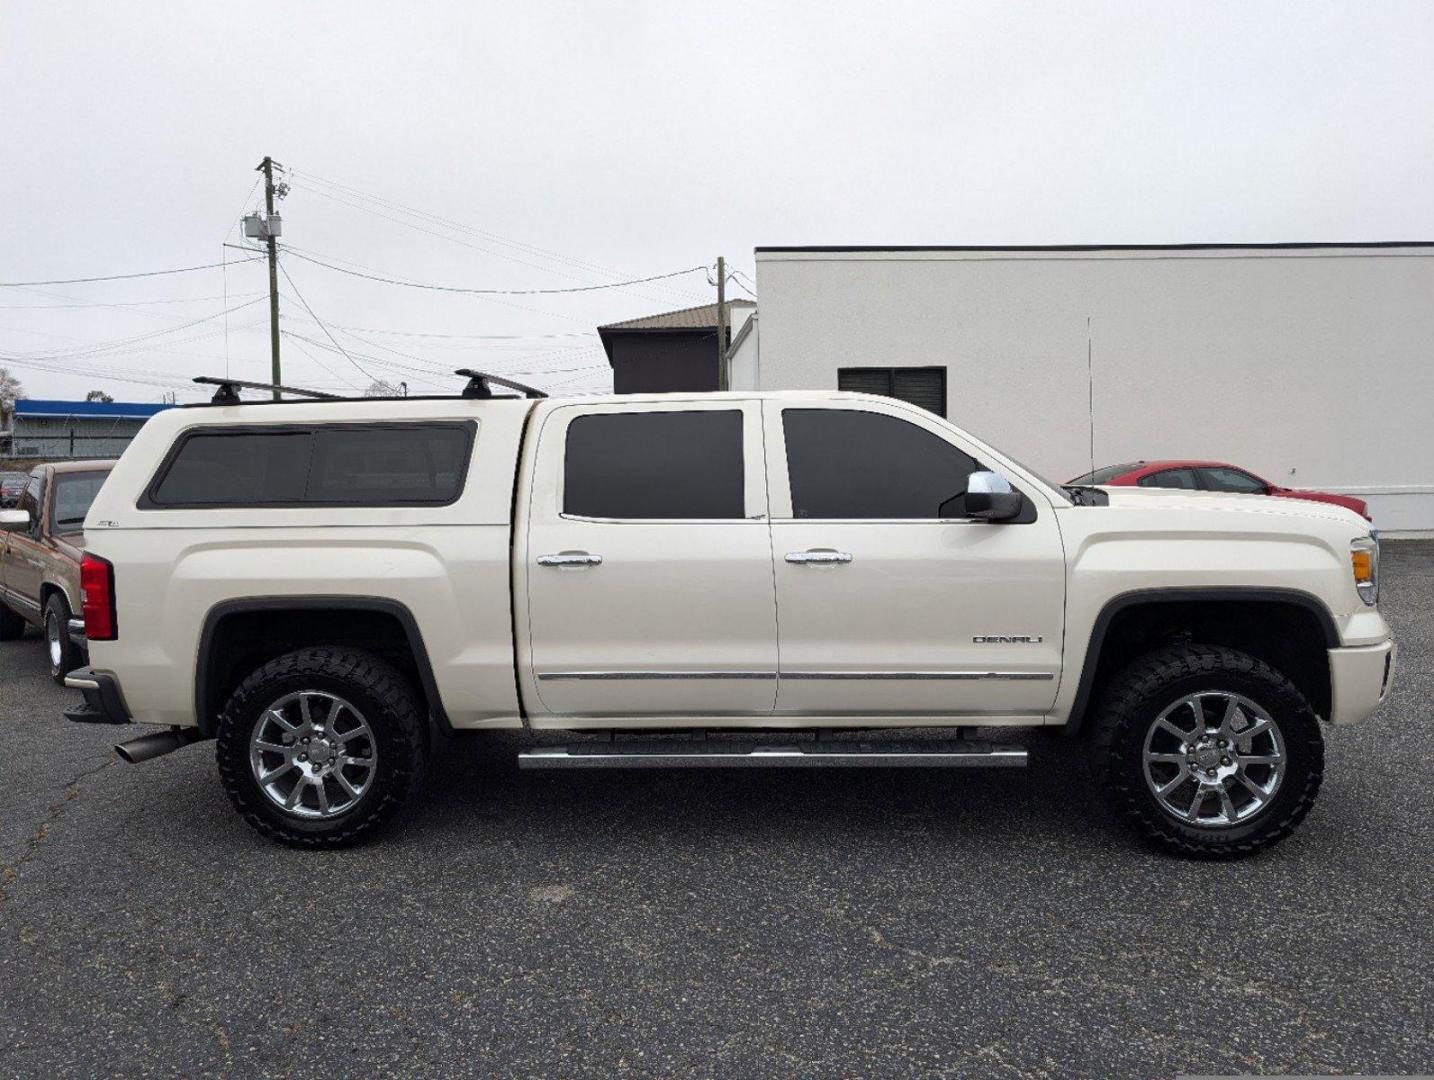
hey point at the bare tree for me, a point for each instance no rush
(10, 392)
(380, 388)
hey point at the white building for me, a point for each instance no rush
(1312, 365)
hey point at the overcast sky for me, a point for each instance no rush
(567, 144)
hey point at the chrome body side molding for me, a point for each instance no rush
(1019, 676)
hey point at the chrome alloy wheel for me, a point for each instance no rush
(53, 640)
(313, 754)
(1214, 759)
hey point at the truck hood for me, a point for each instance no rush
(1169, 498)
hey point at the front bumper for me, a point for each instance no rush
(103, 702)
(1360, 677)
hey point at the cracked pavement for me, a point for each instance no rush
(747, 923)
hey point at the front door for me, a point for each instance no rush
(891, 601)
(648, 565)
(24, 555)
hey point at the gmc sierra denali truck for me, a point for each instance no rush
(325, 588)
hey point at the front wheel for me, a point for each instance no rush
(1207, 751)
(320, 746)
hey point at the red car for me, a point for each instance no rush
(1207, 476)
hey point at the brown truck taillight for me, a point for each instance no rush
(97, 598)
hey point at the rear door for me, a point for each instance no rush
(648, 563)
(891, 601)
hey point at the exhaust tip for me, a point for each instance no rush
(156, 744)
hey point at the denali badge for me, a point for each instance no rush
(1006, 639)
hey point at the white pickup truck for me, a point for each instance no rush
(328, 588)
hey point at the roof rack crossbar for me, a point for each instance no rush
(228, 389)
(480, 385)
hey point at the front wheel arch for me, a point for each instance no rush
(1289, 629)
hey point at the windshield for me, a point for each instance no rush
(1105, 475)
(1057, 489)
(74, 492)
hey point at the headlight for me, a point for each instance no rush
(1364, 561)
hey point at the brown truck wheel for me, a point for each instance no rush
(64, 655)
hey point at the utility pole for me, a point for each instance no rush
(267, 168)
(724, 377)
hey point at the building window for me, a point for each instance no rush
(922, 386)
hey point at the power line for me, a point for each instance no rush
(478, 247)
(322, 327)
(508, 303)
(122, 343)
(295, 339)
(123, 304)
(115, 277)
(496, 292)
(737, 275)
(461, 227)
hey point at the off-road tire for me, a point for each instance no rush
(12, 626)
(1139, 693)
(388, 702)
(57, 621)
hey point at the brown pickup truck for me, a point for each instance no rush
(40, 545)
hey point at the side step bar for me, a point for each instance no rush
(818, 755)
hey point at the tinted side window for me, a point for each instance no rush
(655, 465)
(1183, 479)
(327, 465)
(1232, 480)
(387, 466)
(233, 469)
(848, 464)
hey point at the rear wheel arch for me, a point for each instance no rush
(238, 637)
(1287, 628)
(50, 588)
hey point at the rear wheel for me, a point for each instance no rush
(64, 655)
(320, 746)
(1208, 752)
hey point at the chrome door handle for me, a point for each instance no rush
(818, 556)
(574, 558)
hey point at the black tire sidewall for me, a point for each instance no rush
(1233, 673)
(399, 756)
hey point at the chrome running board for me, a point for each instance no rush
(819, 755)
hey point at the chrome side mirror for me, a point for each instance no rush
(14, 520)
(990, 497)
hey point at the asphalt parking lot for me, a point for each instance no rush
(858, 923)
